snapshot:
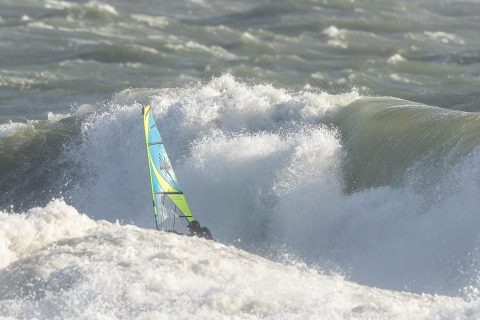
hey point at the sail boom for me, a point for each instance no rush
(172, 192)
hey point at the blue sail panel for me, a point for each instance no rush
(159, 155)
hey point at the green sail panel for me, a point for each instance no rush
(168, 199)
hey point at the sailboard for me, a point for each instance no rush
(170, 208)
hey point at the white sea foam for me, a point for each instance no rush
(318, 75)
(265, 165)
(337, 43)
(81, 10)
(333, 32)
(24, 80)
(58, 4)
(101, 7)
(153, 21)
(444, 37)
(396, 58)
(84, 109)
(9, 129)
(222, 108)
(247, 36)
(399, 78)
(337, 37)
(145, 49)
(55, 117)
(198, 47)
(40, 25)
(22, 235)
(57, 263)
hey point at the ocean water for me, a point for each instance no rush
(332, 147)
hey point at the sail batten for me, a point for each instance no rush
(176, 192)
(163, 182)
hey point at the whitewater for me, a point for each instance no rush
(63, 265)
(269, 171)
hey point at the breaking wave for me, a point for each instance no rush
(378, 189)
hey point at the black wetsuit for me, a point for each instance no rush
(197, 230)
(205, 233)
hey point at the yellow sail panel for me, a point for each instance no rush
(181, 203)
(176, 196)
(164, 185)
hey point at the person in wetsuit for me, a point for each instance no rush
(206, 233)
(196, 229)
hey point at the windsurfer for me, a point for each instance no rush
(197, 230)
(164, 184)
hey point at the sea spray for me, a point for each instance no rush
(316, 173)
(277, 169)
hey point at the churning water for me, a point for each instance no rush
(338, 139)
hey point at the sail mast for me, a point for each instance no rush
(145, 124)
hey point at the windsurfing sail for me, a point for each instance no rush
(169, 202)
